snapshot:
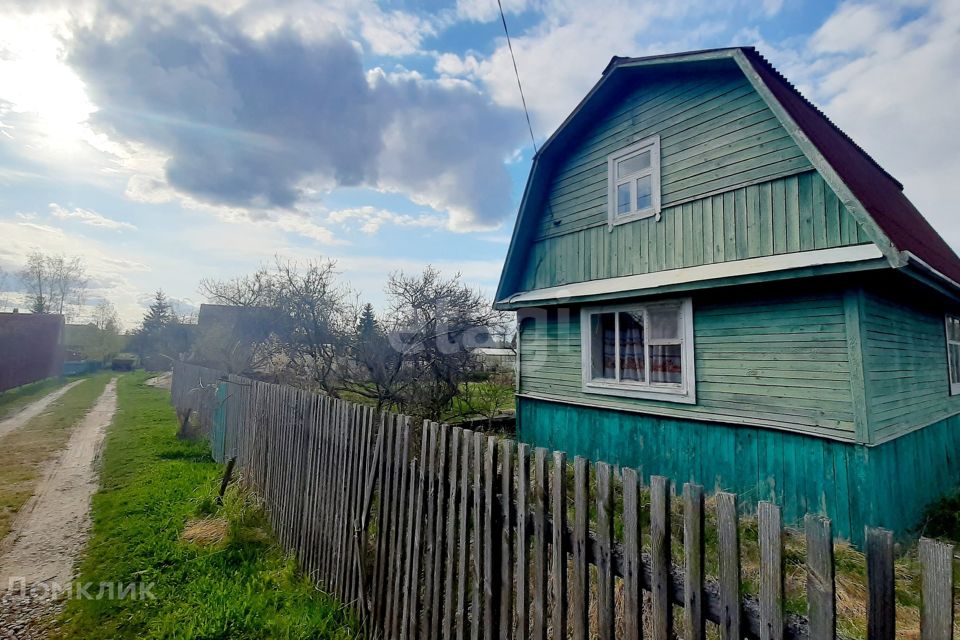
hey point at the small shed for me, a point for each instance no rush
(714, 283)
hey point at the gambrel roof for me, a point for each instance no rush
(873, 196)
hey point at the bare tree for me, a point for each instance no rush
(432, 326)
(54, 283)
(312, 320)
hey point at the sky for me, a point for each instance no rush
(175, 140)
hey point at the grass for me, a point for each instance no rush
(24, 452)
(217, 572)
(15, 399)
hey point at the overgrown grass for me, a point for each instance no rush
(12, 400)
(24, 452)
(236, 583)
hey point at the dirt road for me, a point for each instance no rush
(51, 529)
(32, 410)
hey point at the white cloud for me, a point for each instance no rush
(887, 75)
(394, 33)
(370, 219)
(85, 216)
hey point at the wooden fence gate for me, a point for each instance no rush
(429, 531)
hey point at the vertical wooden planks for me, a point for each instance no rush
(523, 562)
(558, 508)
(693, 568)
(881, 605)
(384, 502)
(477, 604)
(431, 535)
(433, 628)
(632, 589)
(464, 521)
(936, 613)
(821, 585)
(491, 529)
(660, 558)
(605, 601)
(728, 538)
(539, 555)
(410, 573)
(506, 553)
(394, 614)
(580, 579)
(771, 571)
(449, 611)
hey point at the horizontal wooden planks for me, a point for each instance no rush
(905, 364)
(779, 361)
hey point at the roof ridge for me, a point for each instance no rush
(782, 78)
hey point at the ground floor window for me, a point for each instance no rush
(641, 350)
(953, 352)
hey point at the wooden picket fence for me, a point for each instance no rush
(438, 532)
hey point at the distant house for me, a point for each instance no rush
(714, 283)
(495, 358)
(30, 348)
(227, 336)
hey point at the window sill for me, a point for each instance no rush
(664, 394)
(617, 220)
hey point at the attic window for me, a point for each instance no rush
(633, 176)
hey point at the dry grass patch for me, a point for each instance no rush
(206, 532)
(24, 452)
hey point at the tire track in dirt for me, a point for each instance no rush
(32, 410)
(51, 529)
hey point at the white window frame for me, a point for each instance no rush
(951, 365)
(613, 218)
(684, 392)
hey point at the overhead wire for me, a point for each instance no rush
(516, 71)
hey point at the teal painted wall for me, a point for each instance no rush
(905, 359)
(855, 485)
(734, 186)
(762, 357)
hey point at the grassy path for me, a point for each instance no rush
(25, 451)
(13, 400)
(229, 581)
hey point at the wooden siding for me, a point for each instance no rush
(855, 485)
(786, 215)
(905, 363)
(774, 361)
(734, 185)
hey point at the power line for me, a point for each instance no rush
(516, 72)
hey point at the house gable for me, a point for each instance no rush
(734, 185)
(743, 177)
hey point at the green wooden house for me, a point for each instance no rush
(714, 283)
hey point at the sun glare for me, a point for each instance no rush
(36, 82)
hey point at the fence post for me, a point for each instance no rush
(632, 589)
(729, 551)
(580, 581)
(539, 607)
(821, 585)
(662, 616)
(881, 605)
(771, 571)
(605, 603)
(693, 552)
(558, 493)
(936, 567)
(506, 554)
